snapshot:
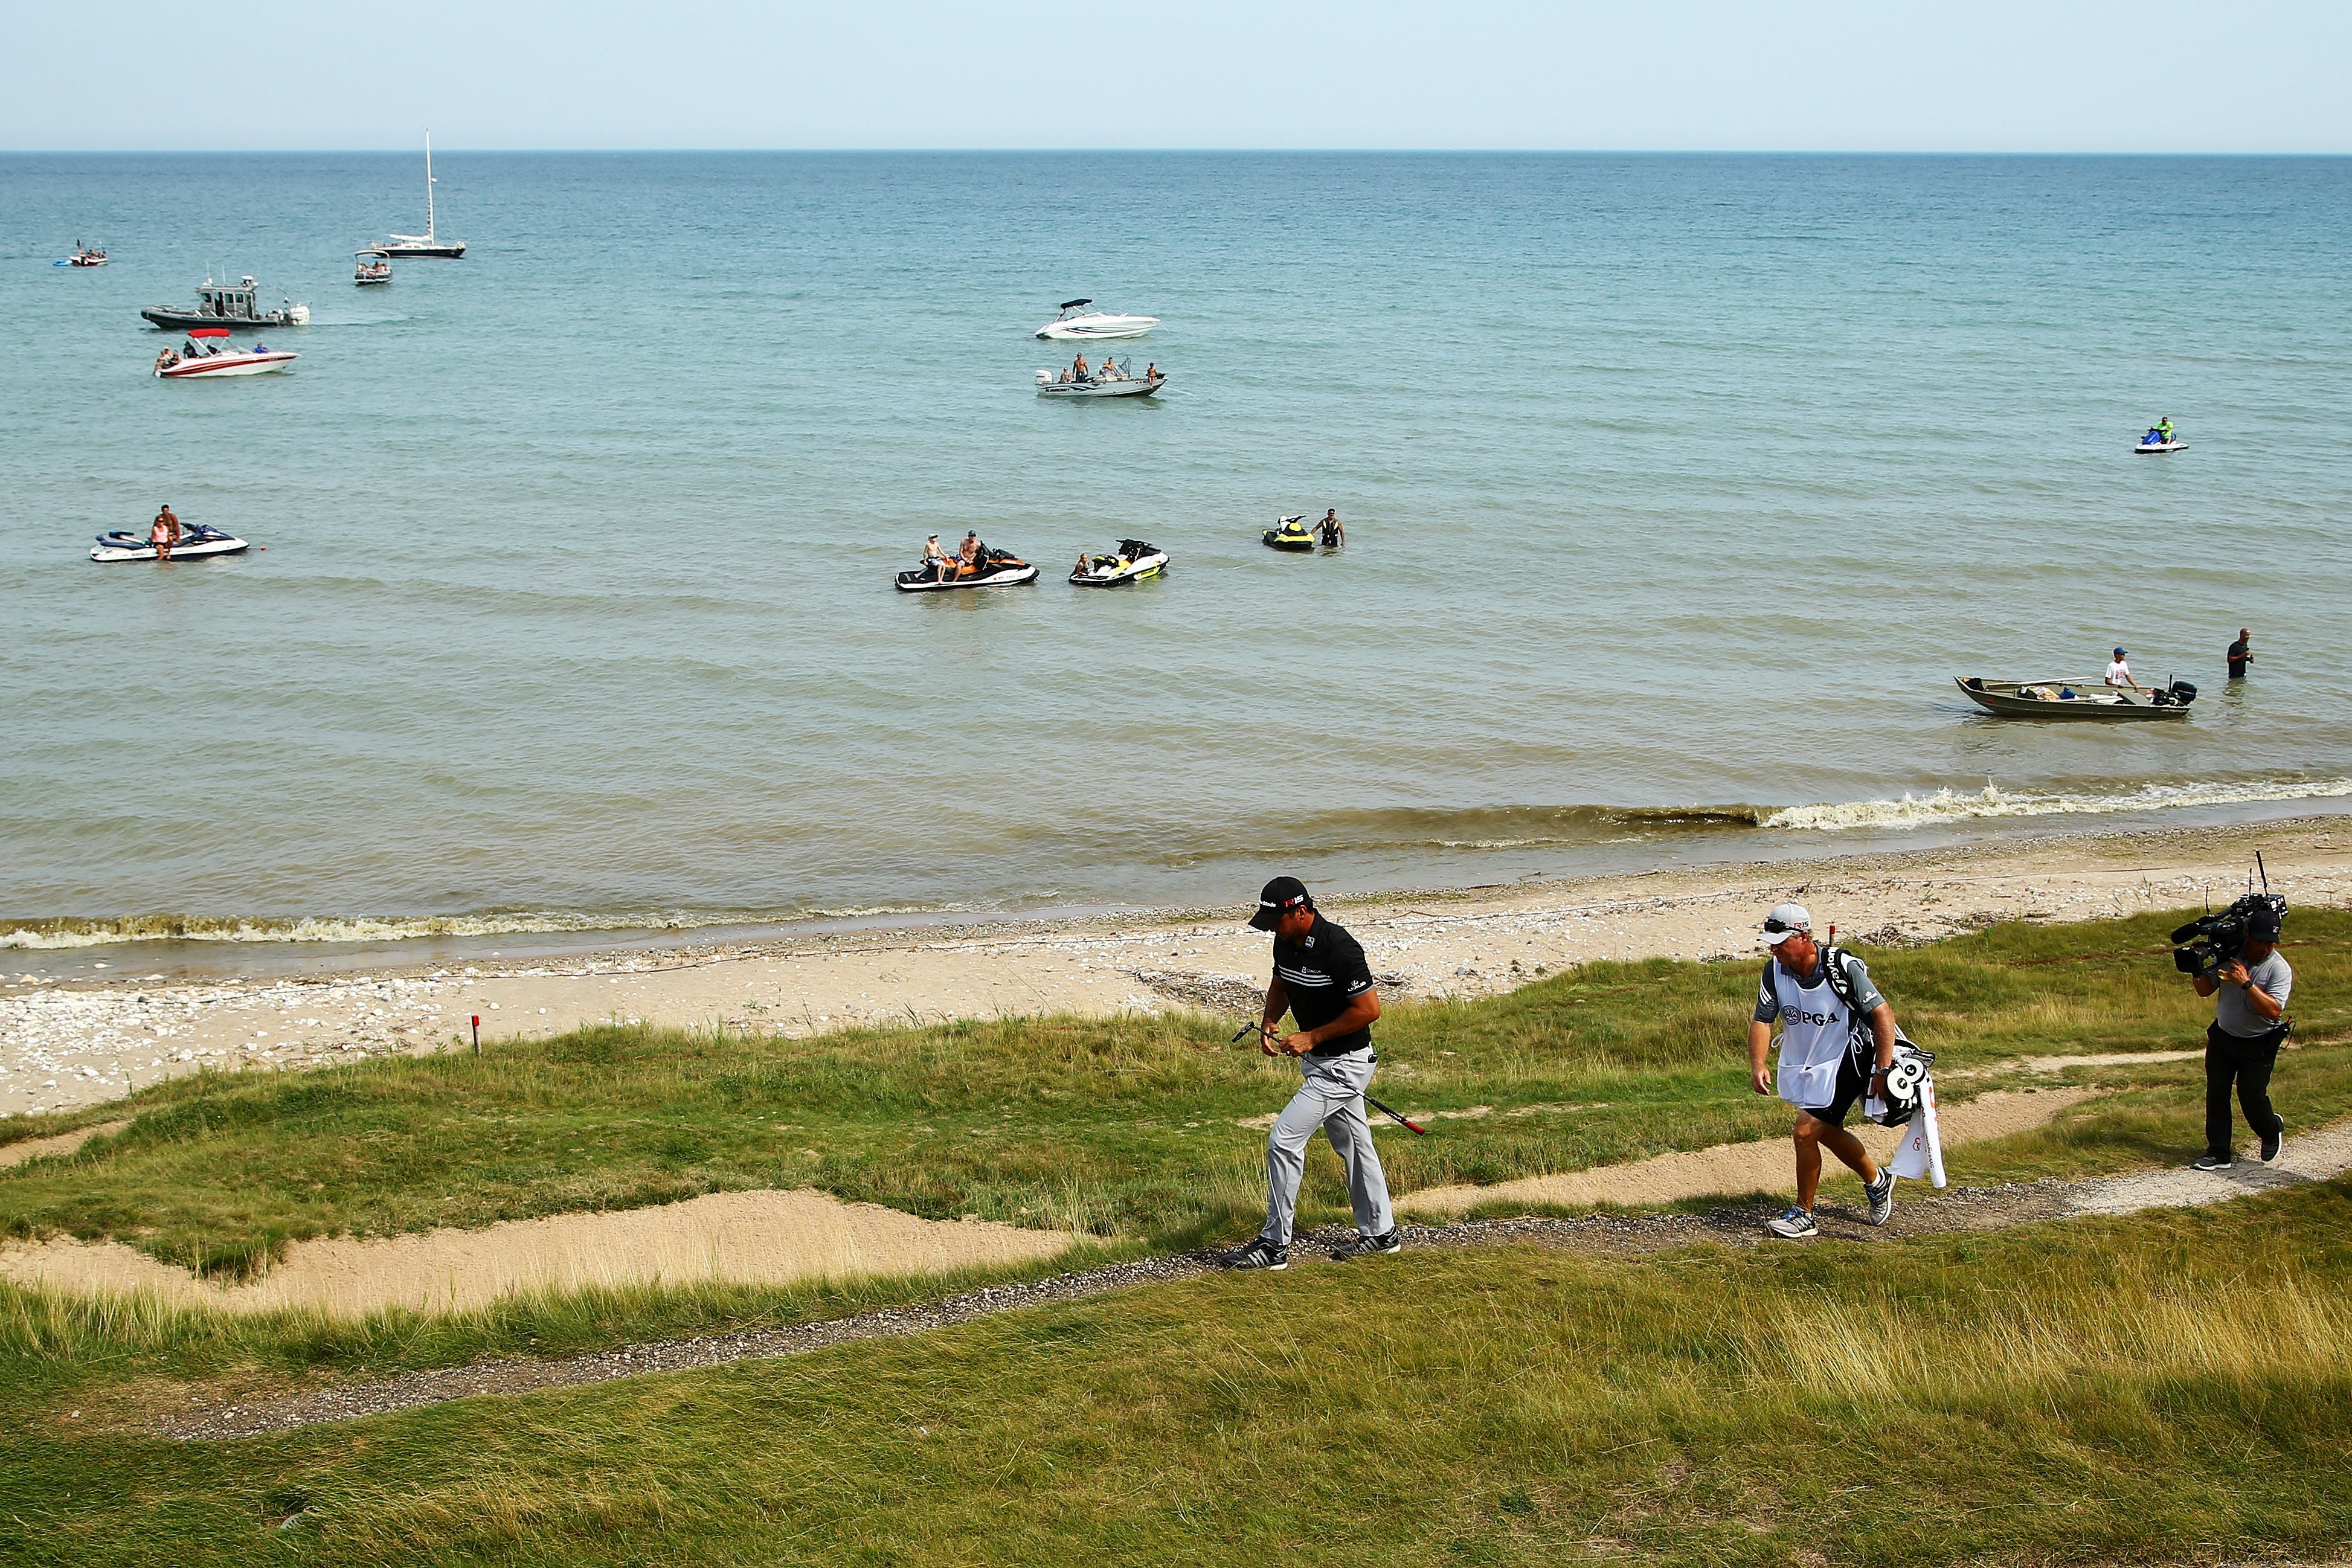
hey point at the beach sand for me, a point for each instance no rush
(68, 1047)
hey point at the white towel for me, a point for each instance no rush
(1921, 1152)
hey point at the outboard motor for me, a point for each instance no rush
(2179, 694)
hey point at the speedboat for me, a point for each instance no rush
(227, 304)
(1076, 321)
(209, 353)
(85, 256)
(1110, 379)
(2077, 698)
(196, 542)
(994, 569)
(1291, 533)
(1133, 561)
(369, 267)
(427, 242)
(2153, 443)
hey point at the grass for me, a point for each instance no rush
(2173, 1386)
(2166, 1386)
(1121, 1128)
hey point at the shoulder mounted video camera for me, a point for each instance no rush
(2212, 940)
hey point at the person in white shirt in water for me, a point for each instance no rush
(1826, 1024)
(2119, 673)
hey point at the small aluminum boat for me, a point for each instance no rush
(2077, 698)
(1108, 379)
(209, 354)
(1076, 321)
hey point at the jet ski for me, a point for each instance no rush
(2153, 443)
(1291, 534)
(995, 569)
(1134, 561)
(196, 542)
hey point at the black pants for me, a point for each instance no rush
(2247, 1061)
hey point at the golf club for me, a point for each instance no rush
(1418, 1130)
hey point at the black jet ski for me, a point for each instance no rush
(994, 569)
(197, 541)
(1135, 561)
(1291, 534)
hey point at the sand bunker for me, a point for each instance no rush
(63, 1144)
(749, 1239)
(1729, 1170)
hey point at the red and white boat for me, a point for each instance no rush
(208, 353)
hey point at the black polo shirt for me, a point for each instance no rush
(1325, 970)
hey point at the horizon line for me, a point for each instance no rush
(1204, 151)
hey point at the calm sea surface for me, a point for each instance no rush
(1670, 482)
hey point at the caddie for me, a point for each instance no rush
(1837, 1040)
(1322, 979)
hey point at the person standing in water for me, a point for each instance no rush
(1335, 534)
(2241, 654)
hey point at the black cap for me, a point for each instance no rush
(2262, 925)
(1280, 897)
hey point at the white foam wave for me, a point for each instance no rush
(46, 935)
(1948, 805)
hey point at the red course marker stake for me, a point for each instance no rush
(477, 1034)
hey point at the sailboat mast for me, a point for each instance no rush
(428, 187)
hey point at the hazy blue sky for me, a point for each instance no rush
(1842, 74)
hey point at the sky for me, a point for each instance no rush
(2154, 76)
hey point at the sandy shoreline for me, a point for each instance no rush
(65, 1047)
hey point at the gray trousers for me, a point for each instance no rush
(1330, 1096)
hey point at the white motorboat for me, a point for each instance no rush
(85, 256)
(196, 543)
(427, 242)
(208, 353)
(369, 267)
(1110, 379)
(1076, 321)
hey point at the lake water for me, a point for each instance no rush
(1670, 483)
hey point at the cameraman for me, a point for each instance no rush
(2243, 1042)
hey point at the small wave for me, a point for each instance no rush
(42, 935)
(1476, 827)
(1950, 805)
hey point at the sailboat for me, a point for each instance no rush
(425, 244)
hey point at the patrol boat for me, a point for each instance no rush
(228, 305)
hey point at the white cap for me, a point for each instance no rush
(1785, 922)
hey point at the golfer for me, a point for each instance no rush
(1321, 978)
(1827, 1023)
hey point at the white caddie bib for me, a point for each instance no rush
(1816, 1033)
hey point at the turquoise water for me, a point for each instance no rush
(1670, 482)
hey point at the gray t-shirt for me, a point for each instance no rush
(2236, 1015)
(1857, 974)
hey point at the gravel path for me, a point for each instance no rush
(1962, 1208)
(2318, 1157)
